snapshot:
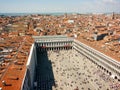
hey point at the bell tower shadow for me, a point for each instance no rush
(44, 72)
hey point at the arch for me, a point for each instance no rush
(115, 77)
(110, 73)
(104, 69)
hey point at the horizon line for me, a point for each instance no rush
(62, 12)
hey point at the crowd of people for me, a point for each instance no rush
(70, 70)
(73, 71)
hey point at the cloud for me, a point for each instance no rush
(111, 1)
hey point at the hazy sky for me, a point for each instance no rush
(82, 6)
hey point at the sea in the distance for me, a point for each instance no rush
(54, 14)
(24, 14)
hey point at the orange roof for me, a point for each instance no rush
(14, 72)
(10, 76)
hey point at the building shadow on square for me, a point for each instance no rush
(44, 72)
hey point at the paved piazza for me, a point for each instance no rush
(73, 71)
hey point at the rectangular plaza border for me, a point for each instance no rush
(107, 63)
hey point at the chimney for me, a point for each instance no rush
(3, 83)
